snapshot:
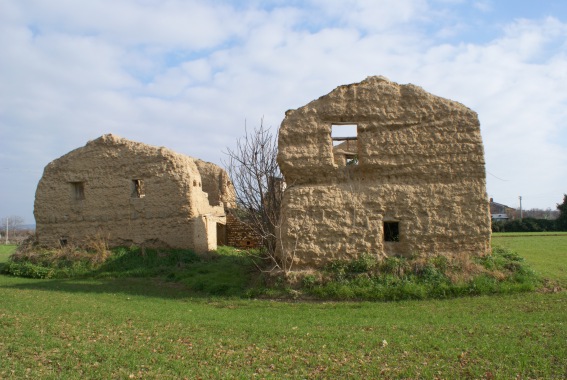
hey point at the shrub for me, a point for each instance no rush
(526, 225)
(362, 264)
(28, 269)
(395, 265)
(309, 281)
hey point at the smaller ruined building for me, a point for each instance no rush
(132, 193)
(383, 169)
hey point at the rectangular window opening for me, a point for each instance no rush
(78, 190)
(351, 159)
(138, 188)
(345, 143)
(391, 231)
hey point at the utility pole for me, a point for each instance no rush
(7, 220)
(521, 212)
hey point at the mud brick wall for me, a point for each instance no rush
(130, 193)
(417, 185)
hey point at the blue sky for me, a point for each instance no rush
(189, 74)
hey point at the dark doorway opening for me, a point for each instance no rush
(221, 234)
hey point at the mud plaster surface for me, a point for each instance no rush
(420, 164)
(173, 211)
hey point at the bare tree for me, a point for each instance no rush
(259, 186)
(538, 213)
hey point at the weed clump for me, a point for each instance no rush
(33, 261)
(399, 278)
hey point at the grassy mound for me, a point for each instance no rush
(225, 272)
(398, 278)
(230, 272)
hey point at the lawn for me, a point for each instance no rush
(546, 252)
(6, 251)
(147, 328)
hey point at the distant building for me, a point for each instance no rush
(500, 217)
(500, 212)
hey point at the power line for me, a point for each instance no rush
(505, 180)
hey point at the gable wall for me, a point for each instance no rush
(420, 163)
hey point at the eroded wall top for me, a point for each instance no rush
(400, 131)
(216, 183)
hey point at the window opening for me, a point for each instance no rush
(138, 188)
(78, 190)
(391, 231)
(345, 143)
(63, 242)
(351, 159)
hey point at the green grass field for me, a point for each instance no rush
(545, 252)
(6, 251)
(146, 328)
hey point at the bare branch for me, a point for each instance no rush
(259, 186)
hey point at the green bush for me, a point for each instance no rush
(395, 265)
(309, 281)
(29, 270)
(526, 225)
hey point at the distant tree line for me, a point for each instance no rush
(536, 224)
(525, 225)
(12, 230)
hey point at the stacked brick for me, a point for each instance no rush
(240, 235)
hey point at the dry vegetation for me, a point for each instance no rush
(94, 251)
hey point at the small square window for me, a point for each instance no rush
(138, 188)
(391, 231)
(78, 189)
(351, 159)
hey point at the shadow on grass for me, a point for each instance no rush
(145, 287)
(172, 274)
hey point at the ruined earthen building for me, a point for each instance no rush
(132, 193)
(384, 169)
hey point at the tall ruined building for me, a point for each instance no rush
(132, 193)
(383, 169)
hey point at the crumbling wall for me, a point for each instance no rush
(419, 167)
(216, 183)
(127, 192)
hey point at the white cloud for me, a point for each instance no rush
(483, 6)
(184, 24)
(519, 95)
(188, 74)
(373, 15)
